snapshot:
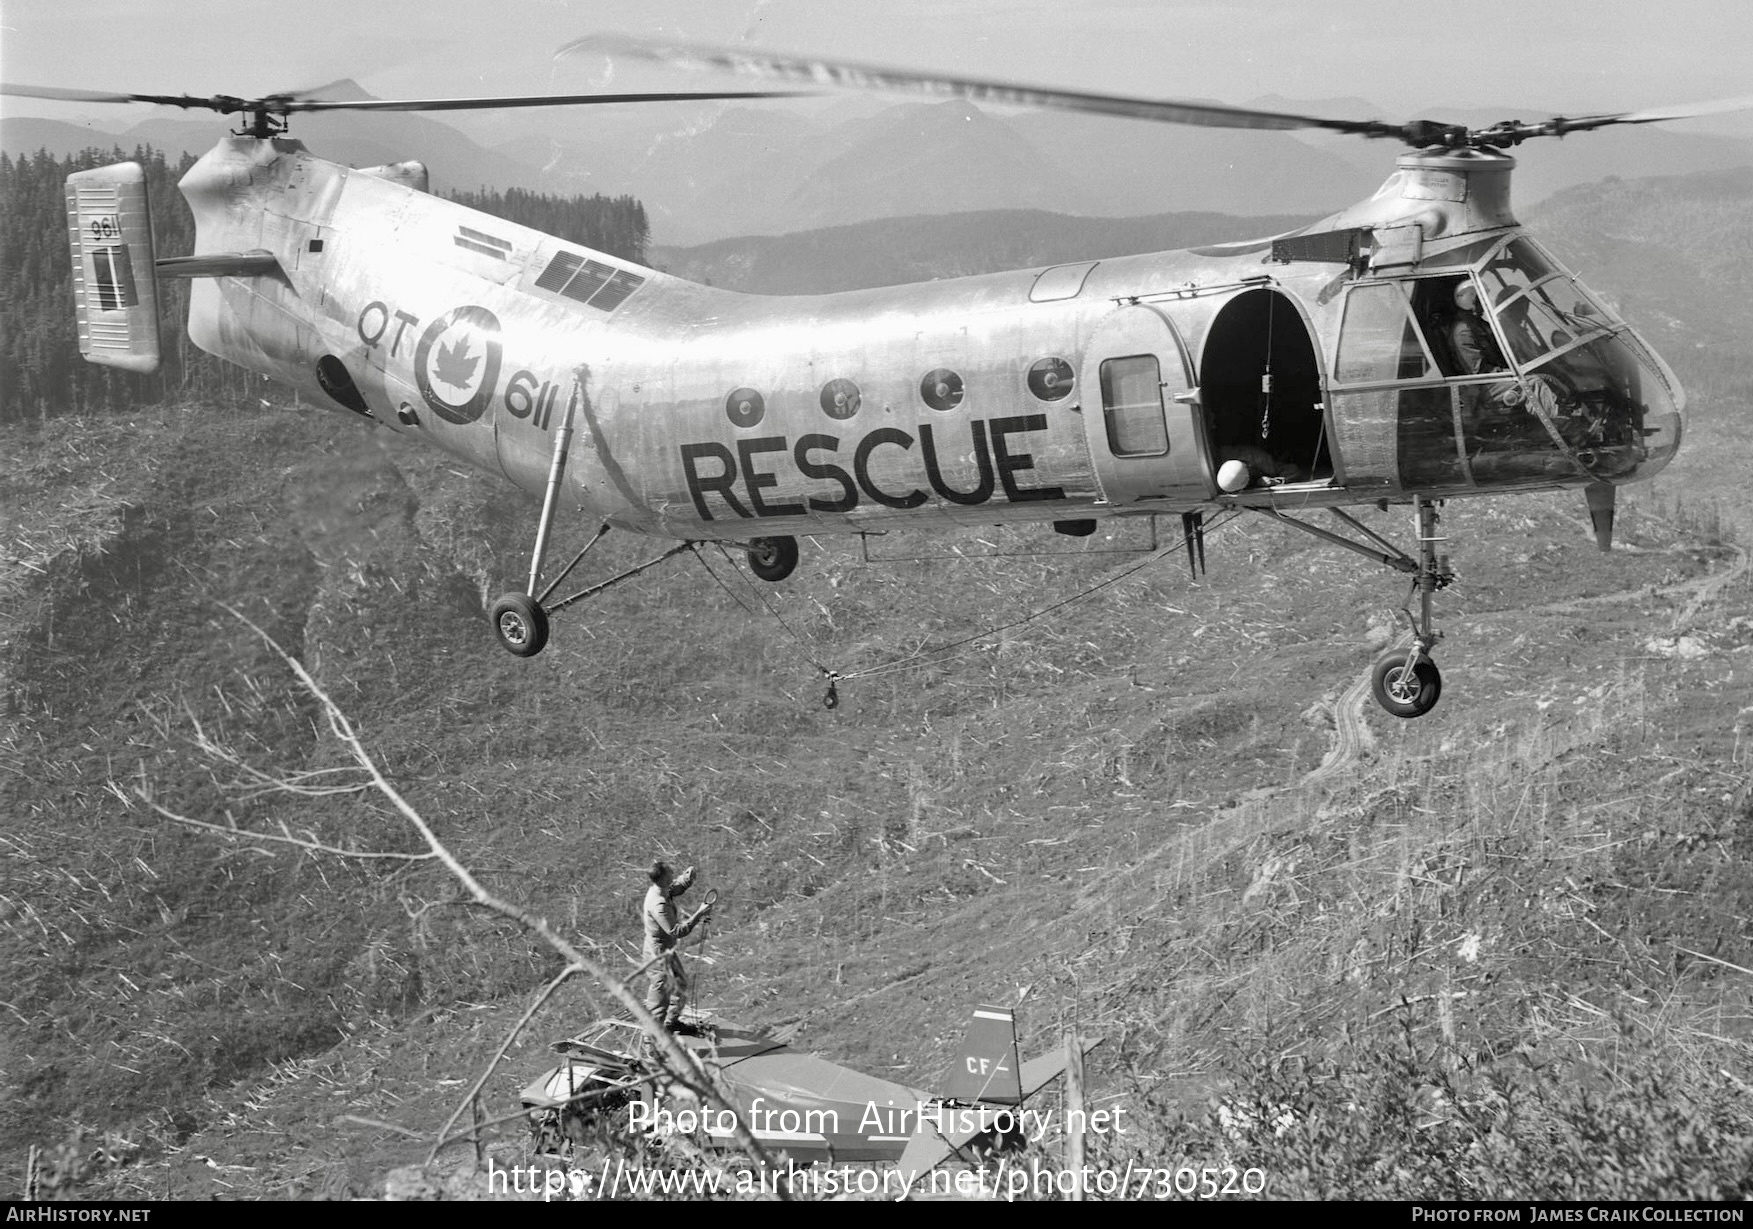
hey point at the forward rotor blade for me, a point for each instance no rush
(1659, 115)
(818, 72)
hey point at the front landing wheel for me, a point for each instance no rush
(520, 624)
(1403, 691)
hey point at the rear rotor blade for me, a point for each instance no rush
(535, 100)
(46, 91)
(819, 72)
(66, 95)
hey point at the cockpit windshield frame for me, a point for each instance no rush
(1527, 312)
(1531, 382)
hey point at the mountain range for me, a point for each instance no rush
(714, 171)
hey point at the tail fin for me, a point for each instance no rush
(988, 1070)
(114, 284)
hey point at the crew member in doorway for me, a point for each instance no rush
(666, 987)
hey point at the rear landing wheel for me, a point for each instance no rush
(1406, 691)
(520, 624)
(773, 559)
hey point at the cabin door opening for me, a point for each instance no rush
(1260, 386)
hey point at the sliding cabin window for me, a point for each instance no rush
(1132, 406)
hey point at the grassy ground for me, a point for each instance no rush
(1499, 950)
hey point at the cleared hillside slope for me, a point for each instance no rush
(1513, 932)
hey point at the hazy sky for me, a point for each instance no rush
(1405, 55)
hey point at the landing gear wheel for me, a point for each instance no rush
(520, 624)
(773, 559)
(1406, 692)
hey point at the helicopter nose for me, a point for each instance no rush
(1661, 403)
(1619, 411)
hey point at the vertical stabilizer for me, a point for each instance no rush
(114, 287)
(987, 1069)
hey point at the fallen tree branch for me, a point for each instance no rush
(559, 980)
(676, 1061)
(314, 846)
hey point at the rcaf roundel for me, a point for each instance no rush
(456, 364)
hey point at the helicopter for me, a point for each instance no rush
(805, 1106)
(1416, 347)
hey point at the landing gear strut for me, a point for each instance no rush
(1405, 683)
(1408, 684)
(520, 620)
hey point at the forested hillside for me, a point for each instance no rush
(896, 250)
(613, 224)
(41, 373)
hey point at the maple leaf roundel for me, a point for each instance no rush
(456, 364)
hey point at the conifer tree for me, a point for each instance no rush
(41, 373)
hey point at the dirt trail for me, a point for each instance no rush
(1351, 734)
(1706, 588)
(1701, 588)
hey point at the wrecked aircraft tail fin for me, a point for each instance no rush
(987, 1069)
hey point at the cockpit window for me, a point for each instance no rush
(1504, 374)
(1539, 309)
(1531, 329)
(1516, 267)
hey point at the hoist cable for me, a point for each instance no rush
(760, 597)
(924, 656)
(1266, 372)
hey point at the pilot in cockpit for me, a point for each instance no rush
(1470, 337)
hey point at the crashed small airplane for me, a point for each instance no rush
(800, 1105)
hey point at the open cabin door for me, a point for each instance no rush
(1146, 434)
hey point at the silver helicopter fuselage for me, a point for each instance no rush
(1065, 394)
